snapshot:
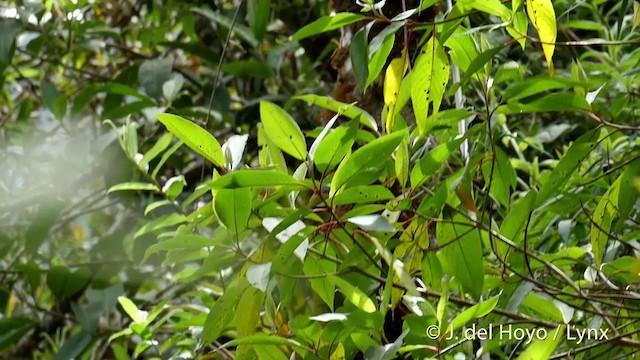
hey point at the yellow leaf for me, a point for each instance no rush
(543, 18)
(392, 80)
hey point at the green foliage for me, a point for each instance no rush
(167, 191)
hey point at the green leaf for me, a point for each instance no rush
(326, 23)
(402, 162)
(64, 283)
(335, 146)
(503, 180)
(248, 320)
(133, 186)
(74, 346)
(253, 178)
(548, 103)
(474, 312)
(196, 138)
(174, 186)
(362, 195)
(251, 68)
(541, 349)
(354, 295)
(260, 9)
(543, 306)
(537, 85)
(233, 207)
(603, 216)
(379, 58)
(461, 250)
(514, 223)
(83, 98)
(493, 7)
(429, 79)
(222, 312)
(567, 166)
(243, 32)
(362, 166)
(131, 309)
(360, 56)
(9, 30)
(153, 74)
(477, 64)
(431, 162)
(263, 339)
(54, 100)
(283, 130)
(12, 329)
(37, 232)
(350, 111)
(625, 268)
(322, 285)
(161, 223)
(179, 241)
(161, 145)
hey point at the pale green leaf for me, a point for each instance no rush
(195, 137)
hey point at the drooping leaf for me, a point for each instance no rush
(9, 29)
(283, 130)
(315, 267)
(359, 54)
(378, 58)
(543, 18)
(222, 312)
(260, 10)
(429, 79)
(603, 217)
(392, 81)
(462, 253)
(195, 137)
